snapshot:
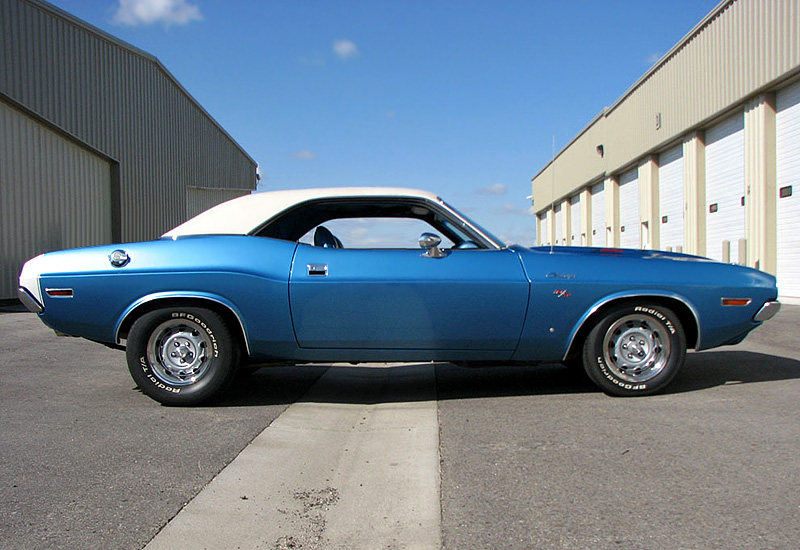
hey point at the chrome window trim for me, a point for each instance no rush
(435, 204)
(179, 295)
(624, 296)
(473, 227)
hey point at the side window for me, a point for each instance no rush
(385, 233)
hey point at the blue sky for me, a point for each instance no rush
(463, 98)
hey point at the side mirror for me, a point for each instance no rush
(430, 242)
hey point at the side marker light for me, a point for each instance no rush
(59, 292)
(736, 302)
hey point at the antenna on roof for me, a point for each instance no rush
(552, 196)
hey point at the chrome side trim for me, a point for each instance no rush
(768, 311)
(623, 296)
(28, 300)
(179, 295)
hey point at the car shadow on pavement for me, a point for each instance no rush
(274, 385)
(711, 369)
(406, 383)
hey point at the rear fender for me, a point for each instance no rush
(173, 298)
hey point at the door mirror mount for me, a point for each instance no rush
(430, 242)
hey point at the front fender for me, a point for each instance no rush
(584, 324)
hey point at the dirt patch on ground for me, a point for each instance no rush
(309, 521)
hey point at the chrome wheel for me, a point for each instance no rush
(181, 355)
(178, 353)
(636, 348)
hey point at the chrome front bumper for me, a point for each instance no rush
(768, 311)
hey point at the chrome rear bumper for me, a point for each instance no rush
(27, 299)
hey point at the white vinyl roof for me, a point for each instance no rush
(242, 215)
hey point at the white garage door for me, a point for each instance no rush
(725, 187)
(629, 209)
(575, 238)
(560, 239)
(670, 198)
(543, 235)
(788, 183)
(598, 237)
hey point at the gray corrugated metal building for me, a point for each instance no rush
(98, 141)
(701, 154)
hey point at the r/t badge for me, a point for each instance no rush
(562, 293)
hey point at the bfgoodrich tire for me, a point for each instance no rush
(181, 356)
(635, 349)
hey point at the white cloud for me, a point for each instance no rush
(149, 12)
(519, 236)
(494, 189)
(653, 57)
(304, 155)
(345, 49)
(314, 59)
(509, 209)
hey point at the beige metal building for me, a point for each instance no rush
(98, 141)
(700, 155)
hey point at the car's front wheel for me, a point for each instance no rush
(635, 349)
(181, 356)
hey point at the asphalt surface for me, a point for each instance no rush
(532, 460)
(528, 458)
(88, 461)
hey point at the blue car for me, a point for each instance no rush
(377, 274)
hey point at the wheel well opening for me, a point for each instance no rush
(231, 321)
(685, 316)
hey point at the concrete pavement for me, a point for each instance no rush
(329, 475)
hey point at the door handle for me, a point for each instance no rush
(317, 270)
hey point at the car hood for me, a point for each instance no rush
(637, 268)
(620, 253)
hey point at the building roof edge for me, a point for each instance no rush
(110, 38)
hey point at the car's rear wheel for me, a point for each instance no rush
(181, 356)
(635, 349)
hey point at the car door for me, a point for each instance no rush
(473, 299)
